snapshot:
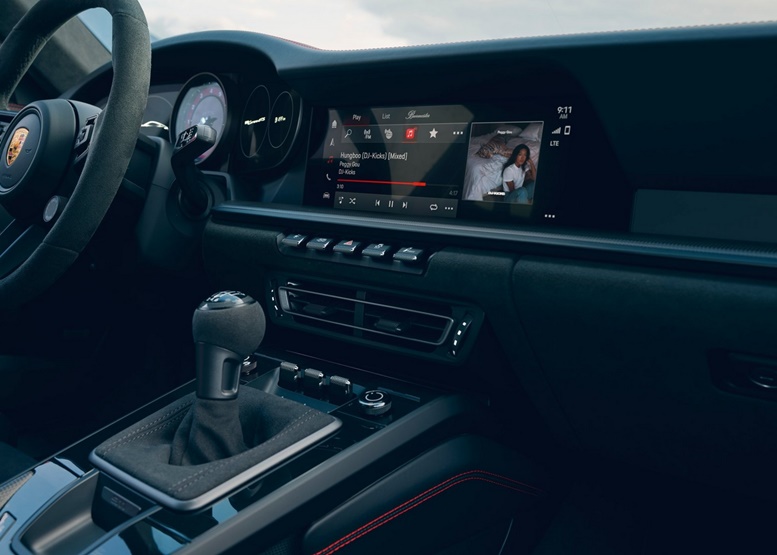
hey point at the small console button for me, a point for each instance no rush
(378, 251)
(340, 389)
(409, 255)
(289, 376)
(313, 380)
(320, 243)
(348, 246)
(295, 240)
(374, 402)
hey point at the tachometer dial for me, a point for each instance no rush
(202, 102)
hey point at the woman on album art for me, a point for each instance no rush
(518, 175)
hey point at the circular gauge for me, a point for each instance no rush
(202, 102)
(256, 116)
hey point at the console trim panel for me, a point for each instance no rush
(221, 490)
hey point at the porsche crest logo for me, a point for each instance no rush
(16, 144)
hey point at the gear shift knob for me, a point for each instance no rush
(227, 327)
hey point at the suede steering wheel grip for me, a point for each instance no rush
(112, 145)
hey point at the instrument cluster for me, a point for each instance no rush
(257, 123)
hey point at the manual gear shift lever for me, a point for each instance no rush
(227, 327)
(198, 449)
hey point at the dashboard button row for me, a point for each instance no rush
(351, 247)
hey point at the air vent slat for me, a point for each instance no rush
(319, 310)
(392, 326)
(321, 307)
(420, 327)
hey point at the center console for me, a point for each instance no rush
(391, 461)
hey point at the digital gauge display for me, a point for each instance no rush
(202, 102)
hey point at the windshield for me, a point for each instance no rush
(349, 24)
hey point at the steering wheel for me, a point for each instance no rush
(48, 139)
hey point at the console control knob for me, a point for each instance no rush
(374, 402)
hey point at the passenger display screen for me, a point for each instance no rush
(437, 161)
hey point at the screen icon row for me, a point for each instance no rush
(416, 206)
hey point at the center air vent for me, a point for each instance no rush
(371, 317)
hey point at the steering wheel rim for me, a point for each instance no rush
(112, 145)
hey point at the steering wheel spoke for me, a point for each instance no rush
(17, 243)
(84, 136)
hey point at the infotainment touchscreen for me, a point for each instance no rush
(448, 161)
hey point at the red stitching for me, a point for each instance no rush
(431, 496)
(452, 479)
(411, 504)
(538, 490)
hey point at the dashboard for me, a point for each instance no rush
(409, 161)
(565, 245)
(357, 133)
(581, 208)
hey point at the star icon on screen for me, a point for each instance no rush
(433, 133)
